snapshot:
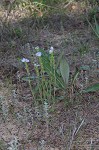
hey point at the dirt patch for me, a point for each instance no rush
(71, 124)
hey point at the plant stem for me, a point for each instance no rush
(29, 81)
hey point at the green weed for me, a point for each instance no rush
(96, 28)
(51, 78)
(84, 49)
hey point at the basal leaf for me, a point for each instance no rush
(92, 88)
(64, 70)
(75, 76)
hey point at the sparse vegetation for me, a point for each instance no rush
(49, 74)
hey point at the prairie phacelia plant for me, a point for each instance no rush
(51, 79)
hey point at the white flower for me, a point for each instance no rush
(36, 65)
(38, 54)
(25, 60)
(37, 47)
(51, 50)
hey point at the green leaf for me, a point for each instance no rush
(97, 25)
(85, 67)
(75, 76)
(29, 78)
(64, 70)
(33, 78)
(92, 88)
(94, 29)
(59, 58)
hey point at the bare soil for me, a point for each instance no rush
(71, 35)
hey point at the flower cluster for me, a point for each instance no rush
(25, 60)
(38, 54)
(36, 65)
(51, 50)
